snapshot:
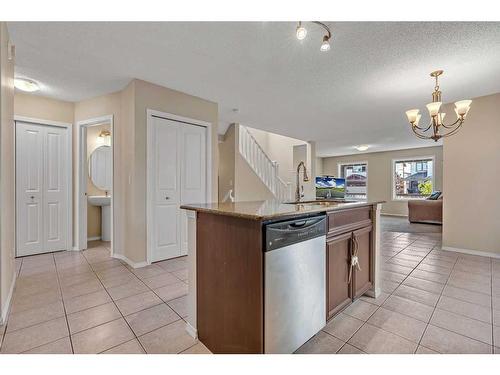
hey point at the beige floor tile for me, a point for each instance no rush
(349, 349)
(402, 325)
(72, 271)
(467, 276)
(467, 296)
(101, 338)
(496, 336)
(61, 346)
(23, 303)
(80, 289)
(131, 288)
(31, 337)
(434, 268)
(322, 343)
(92, 317)
(439, 263)
(423, 350)
(408, 307)
(107, 264)
(29, 289)
(495, 302)
(129, 347)
(418, 295)
(430, 276)
(444, 341)
(376, 301)
(343, 326)
(132, 304)
(35, 316)
(173, 264)
(360, 310)
(117, 280)
(371, 339)
(86, 301)
(160, 280)
(181, 274)
(462, 325)
(172, 291)
(396, 268)
(148, 271)
(496, 317)
(80, 278)
(179, 305)
(198, 348)
(169, 339)
(467, 309)
(404, 262)
(429, 286)
(387, 286)
(392, 276)
(470, 285)
(112, 272)
(150, 319)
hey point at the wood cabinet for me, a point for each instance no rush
(349, 235)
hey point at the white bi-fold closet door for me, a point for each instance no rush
(177, 169)
(42, 178)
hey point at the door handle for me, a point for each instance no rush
(167, 198)
(32, 197)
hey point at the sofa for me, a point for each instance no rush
(426, 211)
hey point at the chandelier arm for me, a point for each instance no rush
(454, 131)
(449, 126)
(421, 136)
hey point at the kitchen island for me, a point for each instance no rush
(228, 283)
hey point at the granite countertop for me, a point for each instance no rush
(273, 209)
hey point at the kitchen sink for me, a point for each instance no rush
(329, 202)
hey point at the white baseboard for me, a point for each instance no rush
(129, 262)
(471, 252)
(5, 312)
(397, 215)
(96, 238)
(193, 332)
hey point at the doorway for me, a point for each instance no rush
(94, 186)
(43, 186)
(178, 172)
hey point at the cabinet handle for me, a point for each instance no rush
(354, 256)
(32, 197)
(167, 198)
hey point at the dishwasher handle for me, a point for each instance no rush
(289, 232)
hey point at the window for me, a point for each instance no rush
(413, 178)
(356, 177)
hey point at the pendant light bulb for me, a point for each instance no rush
(325, 46)
(301, 32)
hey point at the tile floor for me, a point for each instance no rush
(88, 302)
(432, 301)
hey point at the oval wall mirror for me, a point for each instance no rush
(100, 167)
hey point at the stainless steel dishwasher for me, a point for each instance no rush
(294, 282)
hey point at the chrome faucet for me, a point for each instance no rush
(299, 191)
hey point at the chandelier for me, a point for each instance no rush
(437, 118)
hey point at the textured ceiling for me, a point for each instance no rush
(356, 93)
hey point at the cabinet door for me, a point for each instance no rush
(363, 277)
(339, 292)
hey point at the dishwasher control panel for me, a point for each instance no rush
(288, 232)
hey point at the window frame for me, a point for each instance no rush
(339, 171)
(415, 158)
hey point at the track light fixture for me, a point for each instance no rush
(301, 33)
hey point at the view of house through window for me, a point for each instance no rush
(355, 180)
(413, 178)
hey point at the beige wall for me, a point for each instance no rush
(227, 162)
(42, 108)
(94, 212)
(151, 96)
(471, 207)
(380, 173)
(7, 175)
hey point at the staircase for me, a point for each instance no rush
(263, 166)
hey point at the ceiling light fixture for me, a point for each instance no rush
(25, 84)
(362, 147)
(301, 33)
(437, 119)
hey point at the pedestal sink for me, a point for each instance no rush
(105, 203)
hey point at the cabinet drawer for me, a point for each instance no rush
(343, 221)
